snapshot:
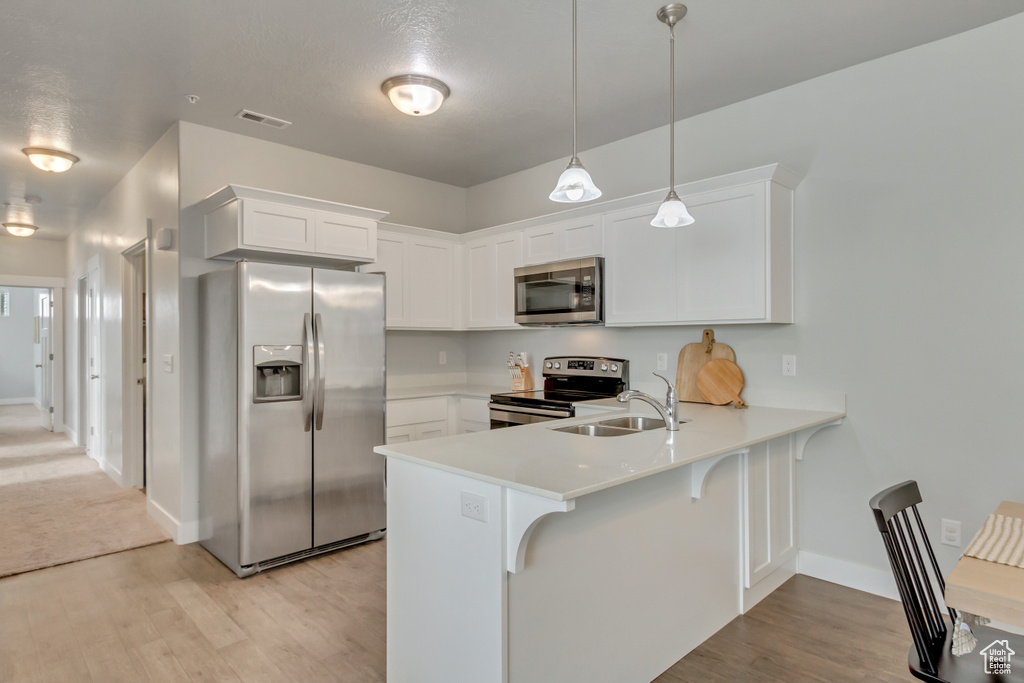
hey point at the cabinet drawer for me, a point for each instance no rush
(474, 410)
(416, 410)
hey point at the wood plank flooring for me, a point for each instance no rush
(174, 613)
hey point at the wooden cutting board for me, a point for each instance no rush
(692, 358)
(720, 381)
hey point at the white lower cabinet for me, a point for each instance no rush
(769, 502)
(415, 419)
(473, 414)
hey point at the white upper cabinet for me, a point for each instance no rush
(419, 280)
(560, 241)
(734, 264)
(488, 291)
(260, 225)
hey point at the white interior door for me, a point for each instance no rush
(45, 303)
(92, 368)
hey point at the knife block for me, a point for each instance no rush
(524, 383)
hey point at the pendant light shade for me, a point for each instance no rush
(672, 213)
(575, 184)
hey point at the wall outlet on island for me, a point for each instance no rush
(662, 361)
(951, 532)
(442, 358)
(474, 506)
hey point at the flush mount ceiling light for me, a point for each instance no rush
(20, 229)
(672, 213)
(415, 95)
(575, 184)
(50, 159)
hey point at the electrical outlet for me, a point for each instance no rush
(442, 358)
(789, 366)
(663, 361)
(951, 532)
(474, 506)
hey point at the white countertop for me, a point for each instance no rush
(535, 459)
(473, 390)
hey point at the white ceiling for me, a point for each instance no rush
(104, 79)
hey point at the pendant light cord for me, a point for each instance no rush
(672, 109)
(573, 79)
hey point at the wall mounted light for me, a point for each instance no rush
(672, 213)
(575, 184)
(415, 95)
(20, 229)
(50, 159)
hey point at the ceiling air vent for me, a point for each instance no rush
(263, 118)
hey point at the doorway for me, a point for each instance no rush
(134, 376)
(90, 375)
(26, 364)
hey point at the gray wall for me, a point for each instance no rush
(17, 357)
(908, 257)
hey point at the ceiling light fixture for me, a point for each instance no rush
(575, 184)
(672, 213)
(50, 159)
(415, 95)
(20, 229)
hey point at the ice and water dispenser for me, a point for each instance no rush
(278, 373)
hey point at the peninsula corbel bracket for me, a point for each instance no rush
(800, 439)
(523, 511)
(700, 470)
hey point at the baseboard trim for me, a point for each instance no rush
(111, 471)
(850, 574)
(181, 533)
(17, 401)
(71, 434)
(763, 588)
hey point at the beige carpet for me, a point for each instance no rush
(56, 505)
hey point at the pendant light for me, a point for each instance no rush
(672, 213)
(574, 185)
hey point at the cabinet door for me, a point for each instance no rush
(721, 257)
(399, 434)
(349, 236)
(580, 238)
(508, 256)
(540, 245)
(640, 268)
(481, 260)
(429, 271)
(430, 430)
(277, 226)
(391, 254)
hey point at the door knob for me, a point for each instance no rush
(94, 376)
(39, 365)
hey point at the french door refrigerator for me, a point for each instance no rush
(292, 404)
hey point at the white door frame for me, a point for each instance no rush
(135, 340)
(56, 285)
(92, 371)
(45, 331)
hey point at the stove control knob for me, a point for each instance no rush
(604, 368)
(558, 366)
(615, 368)
(548, 365)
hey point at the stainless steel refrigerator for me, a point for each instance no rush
(292, 404)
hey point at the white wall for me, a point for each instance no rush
(908, 257)
(31, 257)
(148, 193)
(211, 159)
(413, 358)
(17, 350)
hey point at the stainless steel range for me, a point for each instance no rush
(568, 380)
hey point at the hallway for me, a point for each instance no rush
(56, 503)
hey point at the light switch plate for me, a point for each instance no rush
(168, 362)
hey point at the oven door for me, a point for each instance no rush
(504, 415)
(562, 293)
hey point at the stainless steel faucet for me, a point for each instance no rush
(667, 411)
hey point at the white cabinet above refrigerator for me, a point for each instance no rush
(261, 225)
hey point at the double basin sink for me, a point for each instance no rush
(619, 426)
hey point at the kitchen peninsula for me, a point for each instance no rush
(530, 554)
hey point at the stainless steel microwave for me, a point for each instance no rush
(561, 293)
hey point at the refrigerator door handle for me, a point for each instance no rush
(320, 373)
(310, 389)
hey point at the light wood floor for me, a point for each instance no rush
(173, 613)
